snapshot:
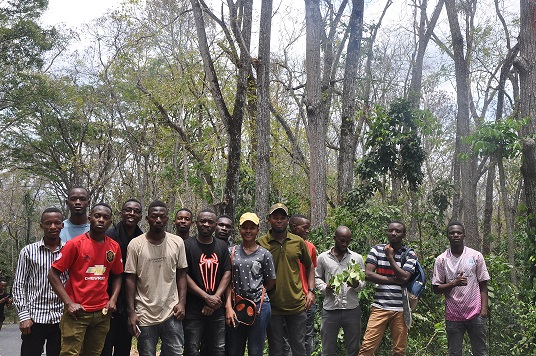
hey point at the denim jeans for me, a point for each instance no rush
(87, 332)
(254, 334)
(169, 331)
(295, 331)
(204, 335)
(476, 329)
(32, 343)
(378, 321)
(332, 321)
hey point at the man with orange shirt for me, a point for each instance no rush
(90, 258)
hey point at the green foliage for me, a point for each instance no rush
(497, 138)
(351, 274)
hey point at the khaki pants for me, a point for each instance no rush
(378, 321)
(87, 333)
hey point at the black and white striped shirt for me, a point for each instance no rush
(32, 293)
(389, 296)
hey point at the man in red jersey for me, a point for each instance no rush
(89, 258)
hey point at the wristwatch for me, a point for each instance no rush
(313, 290)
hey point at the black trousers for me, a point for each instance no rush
(118, 338)
(32, 343)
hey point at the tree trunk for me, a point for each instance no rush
(317, 126)
(348, 139)
(262, 178)
(488, 209)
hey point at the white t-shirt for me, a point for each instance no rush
(156, 269)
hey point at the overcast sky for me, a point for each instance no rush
(73, 13)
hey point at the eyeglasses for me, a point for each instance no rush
(131, 210)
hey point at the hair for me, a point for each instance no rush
(206, 210)
(295, 217)
(187, 210)
(227, 217)
(51, 210)
(399, 222)
(155, 204)
(134, 200)
(102, 204)
(454, 222)
(77, 187)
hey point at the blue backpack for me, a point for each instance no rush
(417, 282)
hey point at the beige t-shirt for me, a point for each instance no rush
(155, 267)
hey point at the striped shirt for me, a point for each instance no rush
(389, 296)
(32, 293)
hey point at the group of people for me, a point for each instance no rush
(86, 288)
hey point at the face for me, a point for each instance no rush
(131, 213)
(51, 223)
(224, 228)
(206, 224)
(77, 201)
(248, 231)
(157, 217)
(3, 286)
(301, 228)
(342, 241)
(183, 221)
(100, 218)
(455, 235)
(396, 233)
(278, 221)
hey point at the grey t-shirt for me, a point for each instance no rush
(250, 272)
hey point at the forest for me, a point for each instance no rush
(351, 112)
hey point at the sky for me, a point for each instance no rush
(73, 13)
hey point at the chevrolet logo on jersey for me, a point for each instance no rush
(97, 272)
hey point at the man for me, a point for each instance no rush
(224, 228)
(289, 303)
(118, 341)
(383, 267)
(340, 310)
(156, 286)
(5, 299)
(90, 259)
(183, 221)
(209, 273)
(78, 223)
(460, 273)
(300, 225)
(39, 308)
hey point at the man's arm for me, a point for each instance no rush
(372, 276)
(310, 297)
(483, 285)
(180, 309)
(130, 292)
(445, 288)
(212, 301)
(116, 287)
(19, 294)
(59, 289)
(401, 276)
(320, 284)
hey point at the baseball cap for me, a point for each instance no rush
(278, 206)
(249, 217)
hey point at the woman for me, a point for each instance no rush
(253, 273)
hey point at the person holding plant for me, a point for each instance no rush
(253, 274)
(339, 277)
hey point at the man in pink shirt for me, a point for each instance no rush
(460, 273)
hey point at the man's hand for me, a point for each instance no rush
(460, 280)
(329, 288)
(74, 308)
(230, 317)
(132, 323)
(309, 299)
(178, 311)
(214, 302)
(26, 326)
(111, 306)
(207, 311)
(389, 251)
(484, 312)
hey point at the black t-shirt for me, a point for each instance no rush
(206, 265)
(2, 305)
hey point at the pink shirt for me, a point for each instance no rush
(462, 302)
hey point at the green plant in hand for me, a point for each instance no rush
(351, 274)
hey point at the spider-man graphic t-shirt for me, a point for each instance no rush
(206, 265)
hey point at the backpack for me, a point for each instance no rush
(417, 282)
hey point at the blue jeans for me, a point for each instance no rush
(476, 329)
(169, 331)
(295, 331)
(254, 334)
(332, 321)
(204, 335)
